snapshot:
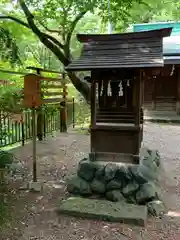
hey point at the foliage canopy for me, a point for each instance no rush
(54, 23)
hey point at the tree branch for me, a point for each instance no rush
(34, 55)
(27, 26)
(69, 7)
(80, 85)
(48, 29)
(44, 38)
(69, 35)
(54, 40)
(15, 20)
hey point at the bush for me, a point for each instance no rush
(10, 100)
(6, 159)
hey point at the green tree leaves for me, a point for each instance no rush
(54, 22)
(8, 46)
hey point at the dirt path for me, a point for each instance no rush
(34, 215)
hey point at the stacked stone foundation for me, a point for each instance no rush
(118, 182)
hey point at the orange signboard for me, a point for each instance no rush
(34, 96)
(32, 91)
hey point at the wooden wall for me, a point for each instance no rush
(160, 93)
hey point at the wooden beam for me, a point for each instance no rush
(153, 93)
(138, 135)
(52, 100)
(50, 79)
(53, 94)
(138, 99)
(13, 72)
(51, 86)
(93, 103)
(44, 70)
(142, 87)
(178, 92)
(93, 106)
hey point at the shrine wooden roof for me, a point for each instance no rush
(127, 50)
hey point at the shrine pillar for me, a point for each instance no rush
(154, 93)
(178, 91)
(137, 106)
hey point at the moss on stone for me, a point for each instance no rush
(104, 210)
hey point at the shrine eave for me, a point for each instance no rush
(127, 50)
(159, 33)
(84, 67)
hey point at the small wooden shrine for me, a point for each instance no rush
(118, 64)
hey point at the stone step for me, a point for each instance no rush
(104, 210)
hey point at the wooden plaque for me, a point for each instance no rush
(32, 91)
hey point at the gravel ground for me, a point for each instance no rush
(34, 216)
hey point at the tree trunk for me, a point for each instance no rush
(81, 86)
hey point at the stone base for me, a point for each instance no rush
(104, 210)
(124, 183)
(32, 186)
(35, 186)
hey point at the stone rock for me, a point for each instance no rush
(115, 196)
(130, 189)
(123, 174)
(16, 167)
(104, 210)
(148, 169)
(146, 193)
(113, 185)
(77, 185)
(147, 162)
(143, 174)
(156, 208)
(137, 174)
(131, 199)
(86, 169)
(100, 173)
(97, 186)
(151, 159)
(24, 186)
(159, 193)
(156, 158)
(35, 186)
(110, 171)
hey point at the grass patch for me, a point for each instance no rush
(4, 213)
(4, 205)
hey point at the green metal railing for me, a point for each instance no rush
(11, 132)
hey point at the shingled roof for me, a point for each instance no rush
(127, 50)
